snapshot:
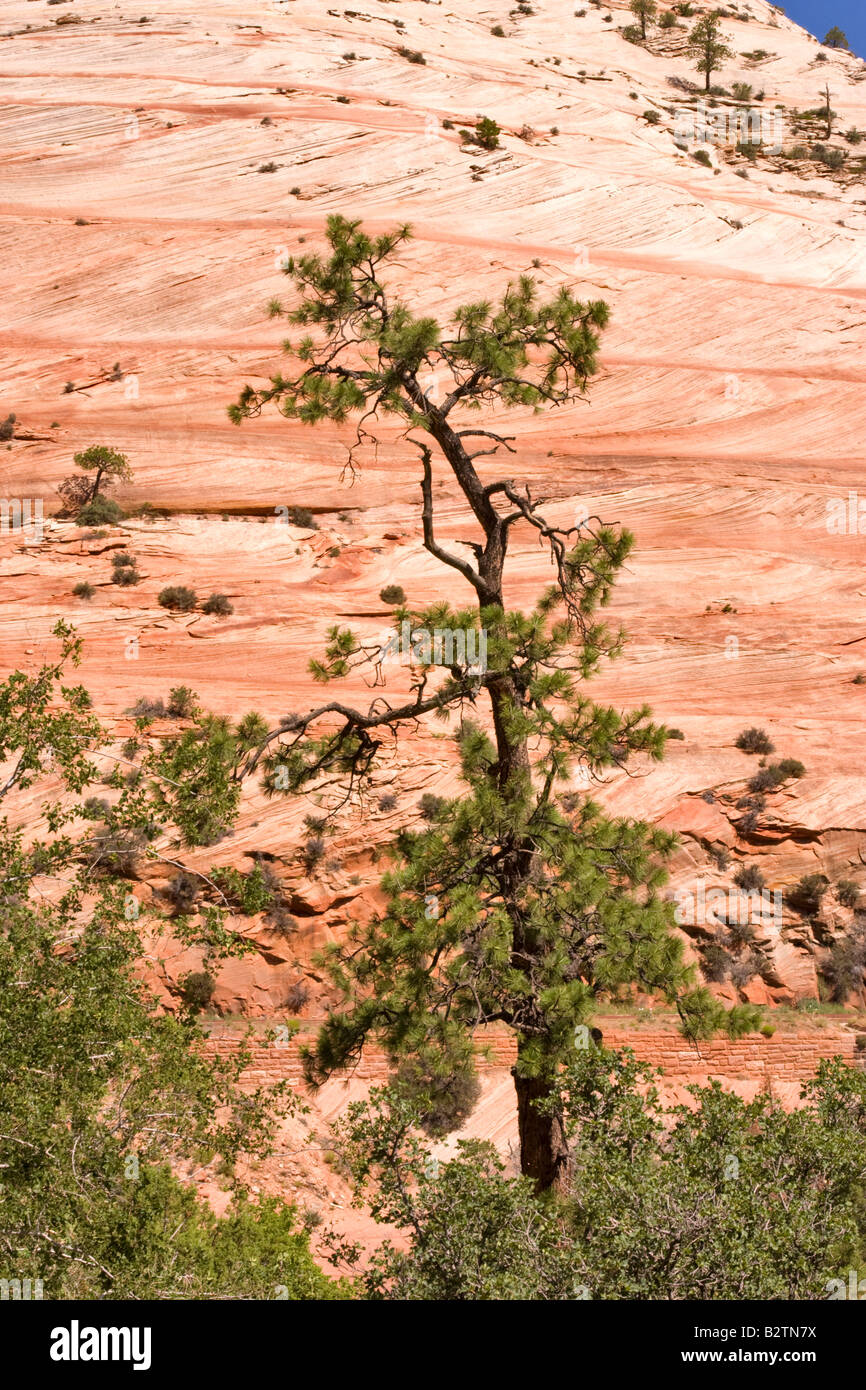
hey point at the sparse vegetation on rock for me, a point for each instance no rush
(393, 593)
(706, 41)
(646, 12)
(847, 892)
(81, 493)
(750, 879)
(177, 597)
(755, 741)
(487, 133)
(808, 893)
(218, 606)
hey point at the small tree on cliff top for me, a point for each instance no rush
(508, 908)
(836, 38)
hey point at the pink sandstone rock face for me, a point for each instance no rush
(140, 227)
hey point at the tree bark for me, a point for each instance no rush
(544, 1154)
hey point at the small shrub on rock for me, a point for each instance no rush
(750, 879)
(430, 805)
(178, 598)
(847, 892)
(181, 702)
(392, 593)
(197, 990)
(218, 605)
(715, 963)
(100, 511)
(807, 894)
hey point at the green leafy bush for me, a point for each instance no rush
(197, 989)
(100, 511)
(487, 133)
(248, 893)
(472, 1233)
(182, 703)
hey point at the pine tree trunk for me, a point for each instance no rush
(544, 1154)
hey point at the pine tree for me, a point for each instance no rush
(107, 464)
(707, 42)
(518, 904)
(646, 11)
(836, 38)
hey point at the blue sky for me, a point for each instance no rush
(820, 15)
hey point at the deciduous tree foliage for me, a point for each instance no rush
(717, 1199)
(100, 1088)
